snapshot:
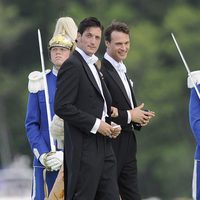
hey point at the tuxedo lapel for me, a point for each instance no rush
(113, 73)
(106, 94)
(104, 87)
(88, 71)
(132, 93)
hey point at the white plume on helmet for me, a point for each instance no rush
(66, 26)
(65, 33)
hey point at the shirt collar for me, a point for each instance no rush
(55, 71)
(119, 66)
(88, 59)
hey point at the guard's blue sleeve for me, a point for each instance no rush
(194, 114)
(36, 132)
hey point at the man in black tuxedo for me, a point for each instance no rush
(129, 115)
(84, 103)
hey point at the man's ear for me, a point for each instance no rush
(78, 36)
(107, 43)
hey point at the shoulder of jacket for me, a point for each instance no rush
(195, 75)
(35, 82)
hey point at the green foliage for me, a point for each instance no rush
(184, 22)
(11, 26)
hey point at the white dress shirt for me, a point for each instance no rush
(91, 60)
(121, 70)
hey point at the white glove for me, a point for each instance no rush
(57, 130)
(42, 159)
(54, 161)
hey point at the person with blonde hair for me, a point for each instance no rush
(46, 164)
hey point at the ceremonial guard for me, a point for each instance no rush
(47, 163)
(194, 117)
(193, 83)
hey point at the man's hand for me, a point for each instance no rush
(117, 130)
(105, 129)
(150, 115)
(141, 116)
(114, 112)
(111, 131)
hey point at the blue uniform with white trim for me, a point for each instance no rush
(36, 124)
(194, 118)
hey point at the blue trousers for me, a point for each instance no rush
(196, 180)
(42, 184)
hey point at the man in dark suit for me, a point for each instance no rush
(84, 103)
(129, 115)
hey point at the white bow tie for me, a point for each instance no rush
(121, 67)
(92, 60)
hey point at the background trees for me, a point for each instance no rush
(166, 146)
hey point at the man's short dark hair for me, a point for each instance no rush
(89, 22)
(116, 26)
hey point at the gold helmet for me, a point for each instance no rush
(60, 40)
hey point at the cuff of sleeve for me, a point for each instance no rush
(96, 126)
(129, 117)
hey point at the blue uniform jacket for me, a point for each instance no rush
(194, 117)
(36, 119)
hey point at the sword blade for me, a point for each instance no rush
(186, 66)
(53, 148)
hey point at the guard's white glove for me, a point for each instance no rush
(57, 130)
(54, 161)
(42, 159)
